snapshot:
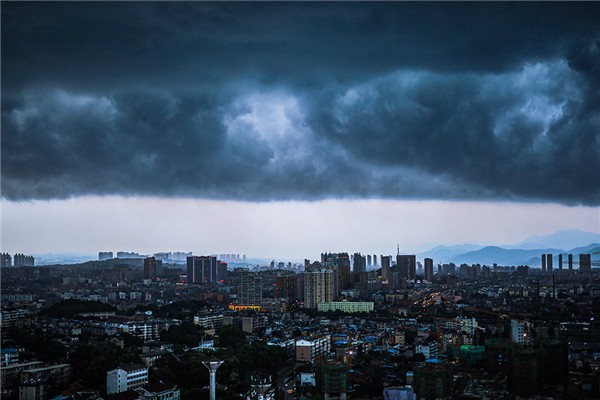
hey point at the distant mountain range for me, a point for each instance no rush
(527, 252)
(563, 239)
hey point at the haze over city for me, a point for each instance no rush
(283, 130)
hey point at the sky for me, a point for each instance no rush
(287, 129)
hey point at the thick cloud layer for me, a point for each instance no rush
(264, 101)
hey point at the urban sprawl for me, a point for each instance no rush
(177, 326)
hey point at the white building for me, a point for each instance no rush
(158, 391)
(126, 377)
(307, 350)
(520, 332)
(468, 325)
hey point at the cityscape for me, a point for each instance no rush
(300, 200)
(131, 326)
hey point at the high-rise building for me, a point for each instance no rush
(570, 258)
(285, 286)
(6, 260)
(340, 264)
(560, 263)
(202, 269)
(543, 262)
(585, 262)
(549, 262)
(385, 269)
(375, 259)
(249, 289)
(407, 266)
(152, 268)
(521, 332)
(369, 260)
(360, 264)
(318, 285)
(429, 269)
(21, 260)
(105, 255)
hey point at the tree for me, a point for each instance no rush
(231, 336)
(186, 334)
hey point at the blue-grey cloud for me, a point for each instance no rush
(264, 101)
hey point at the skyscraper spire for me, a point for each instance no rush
(398, 250)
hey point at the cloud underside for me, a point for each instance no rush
(516, 127)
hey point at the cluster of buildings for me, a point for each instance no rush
(402, 328)
(19, 260)
(585, 263)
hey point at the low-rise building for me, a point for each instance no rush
(307, 350)
(347, 306)
(126, 377)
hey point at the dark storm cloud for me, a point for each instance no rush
(268, 101)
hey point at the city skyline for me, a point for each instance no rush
(285, 130)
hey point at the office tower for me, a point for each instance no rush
(375, 259)
(549, 263)
(543, 263)
(6, 260)
(318, 286)
(428, 269)
(21, 260)
(249, 289)
(407, 266)
(560, 263)
(369, 260)
(202, 269)
(385, 268)
(585, 262)
(360, 264)
(570, 256)
(152, 268)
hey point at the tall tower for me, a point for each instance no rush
(543, 262)
(212, 369)
(385, 268)
(249, 289)
(560, 263)
(429, 269)
(318, 286)
(585, 263)
(570, 261)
